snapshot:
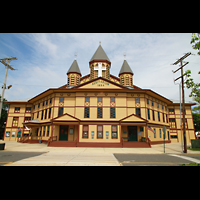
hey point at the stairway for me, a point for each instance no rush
(62, 144)
(136, 145)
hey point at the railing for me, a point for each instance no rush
(51, 139)
(23, 139)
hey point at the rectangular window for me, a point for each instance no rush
(50, 101)
(99, 99)
(60, 111)
(44, 129)
(26, 119)
(160, 133)
(147, 101)
(28, 109)
(148, 113)
(47, 102)
(49, 112)
(38, 114)
(99, 112)
(153, 115)
(85, 131)
(40, 131)
(112, 99)
(100, 131)
(163, 117)
(43, 103)
(45, 115)
(42, 114)
(166, 118)
(157, 105)
(137, 100)
(87, 112)
(47, 131)
(172, 123)
(138, 112)
(38, 105)
(112, 112)
(17, 109)
(61, 99)
(171, 111)
(158, 116)
(114, 131)
(154, 133)
(152, 103)
(87, 99)
(15, 121)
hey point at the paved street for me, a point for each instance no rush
(24, 154)
(8, 157)
(155, 159)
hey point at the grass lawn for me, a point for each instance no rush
(194, 149)
(191, 164)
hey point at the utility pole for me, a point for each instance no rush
(4, 84)
(183, 95)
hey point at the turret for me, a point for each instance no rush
(100, 64)
(126, 75)
(74, 75)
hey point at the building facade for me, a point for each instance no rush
(97, 110)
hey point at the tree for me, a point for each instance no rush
(195, 93)
(196, 40)
(196, 119)
(3, 117)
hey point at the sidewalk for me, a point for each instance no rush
(81, 156)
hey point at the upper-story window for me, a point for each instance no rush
(17, 109)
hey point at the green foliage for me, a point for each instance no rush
(191, 164)
(195, 93)
(196, 40)
(196, 119)
(3, 117)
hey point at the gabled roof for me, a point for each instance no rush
(119, 86)
(133, 118)
(74, 68)
(125, 68)
(100, 55)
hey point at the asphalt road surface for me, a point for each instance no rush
(9, 157)
(155, 159)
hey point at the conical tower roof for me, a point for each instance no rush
(125, 68)
(100, 54)
(74, 68)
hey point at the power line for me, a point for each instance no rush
(5, 61)
(180, 60)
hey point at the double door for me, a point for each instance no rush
(132, 133)
(63, 132)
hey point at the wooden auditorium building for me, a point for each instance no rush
(97, 110)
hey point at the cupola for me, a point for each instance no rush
(74, 75)
(100, 64)
(126, 75)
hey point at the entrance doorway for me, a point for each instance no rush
(132, 133)
(63, 133)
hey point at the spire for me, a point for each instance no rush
(125, 68)
(74, 68)
(100, 54)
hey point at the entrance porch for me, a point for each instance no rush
(134, 137)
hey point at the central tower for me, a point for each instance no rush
(100, 64)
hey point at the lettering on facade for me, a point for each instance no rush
(100, 83)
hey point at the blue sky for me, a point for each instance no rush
(44, 59)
